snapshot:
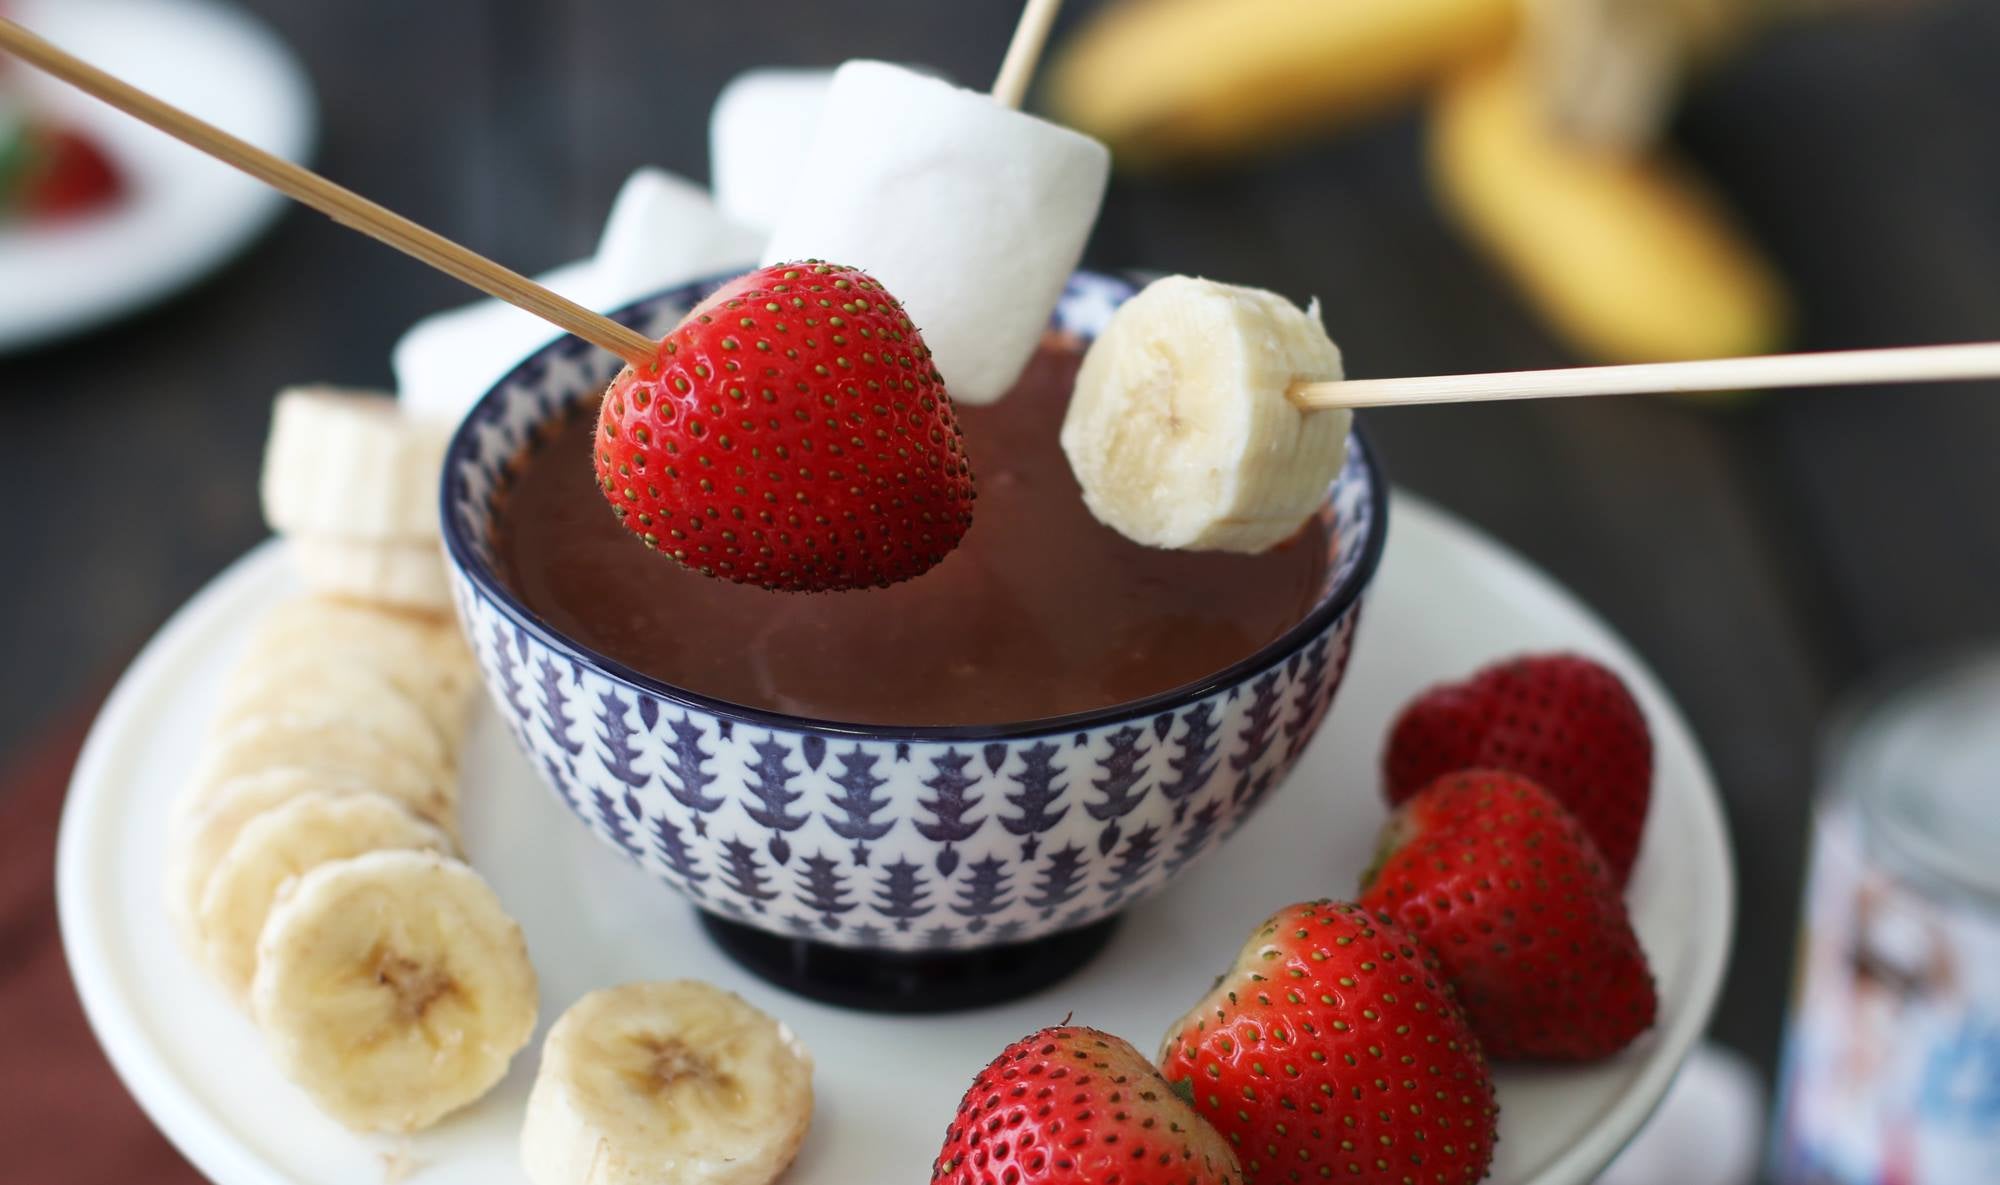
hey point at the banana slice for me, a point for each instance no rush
(349, 463)
(425, 656)
(340, 746)
(202, 827)
(284, 842)
(392, 572)
(305, 693)
(393, 988)
(1179, 430)
(666, 1084)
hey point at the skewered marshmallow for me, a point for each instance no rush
(973, 213)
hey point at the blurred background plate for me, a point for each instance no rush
(1447, 600)
(185, 215)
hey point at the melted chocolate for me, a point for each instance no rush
(1042, 611)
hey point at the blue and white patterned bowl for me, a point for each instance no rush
(878, 838)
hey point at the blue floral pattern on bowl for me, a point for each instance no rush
(888, 838)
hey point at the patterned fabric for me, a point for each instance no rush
(68, 1117)
(901, 839)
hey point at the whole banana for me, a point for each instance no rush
(1163, 80)
(1629, 258)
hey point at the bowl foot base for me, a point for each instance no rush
(909, 981)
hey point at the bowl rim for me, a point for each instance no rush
(465, 560)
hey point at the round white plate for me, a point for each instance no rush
(183, 215)
(1446, 600)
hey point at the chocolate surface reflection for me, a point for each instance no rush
(1042, 611)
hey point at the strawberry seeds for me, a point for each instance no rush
(792, 434)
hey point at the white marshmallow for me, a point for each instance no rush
(664, 230)
(972, 214)
(446, 361)
(761, 126)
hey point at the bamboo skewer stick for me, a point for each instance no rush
(1906, 364)
(336, 202)
(1024, 52)
(1980, 360)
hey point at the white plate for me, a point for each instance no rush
(184, 215)
(1445, 601)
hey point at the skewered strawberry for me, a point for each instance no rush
(792, 434)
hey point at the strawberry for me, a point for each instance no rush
(1074, 1105)
(1510, 892)
(793, 434)
(1333, 1049)
(1560, 719)
(64, 174)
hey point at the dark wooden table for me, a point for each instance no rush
(1766, 557)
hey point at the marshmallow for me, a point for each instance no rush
(664, 230)
(970, 213)
(759, 131)
(448, 360)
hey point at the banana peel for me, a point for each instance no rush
(1629, 258)
(1189, 80)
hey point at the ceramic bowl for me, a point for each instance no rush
(834, 855)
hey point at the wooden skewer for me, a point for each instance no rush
(340, 204)
(1024, 52)
(1906, 364)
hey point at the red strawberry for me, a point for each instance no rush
(1333, 1049)
(65, 174)
(792, 434)
(1072, 1105)
(1560, 719)
(1505, 886)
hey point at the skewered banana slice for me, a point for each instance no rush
(424, 656)
(673, 1083)
(391, 572)
(203, 827)
(1179, 430)
(393, 988)
(349, 463)
(340, 746)
(308, 692)
(287, 841)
